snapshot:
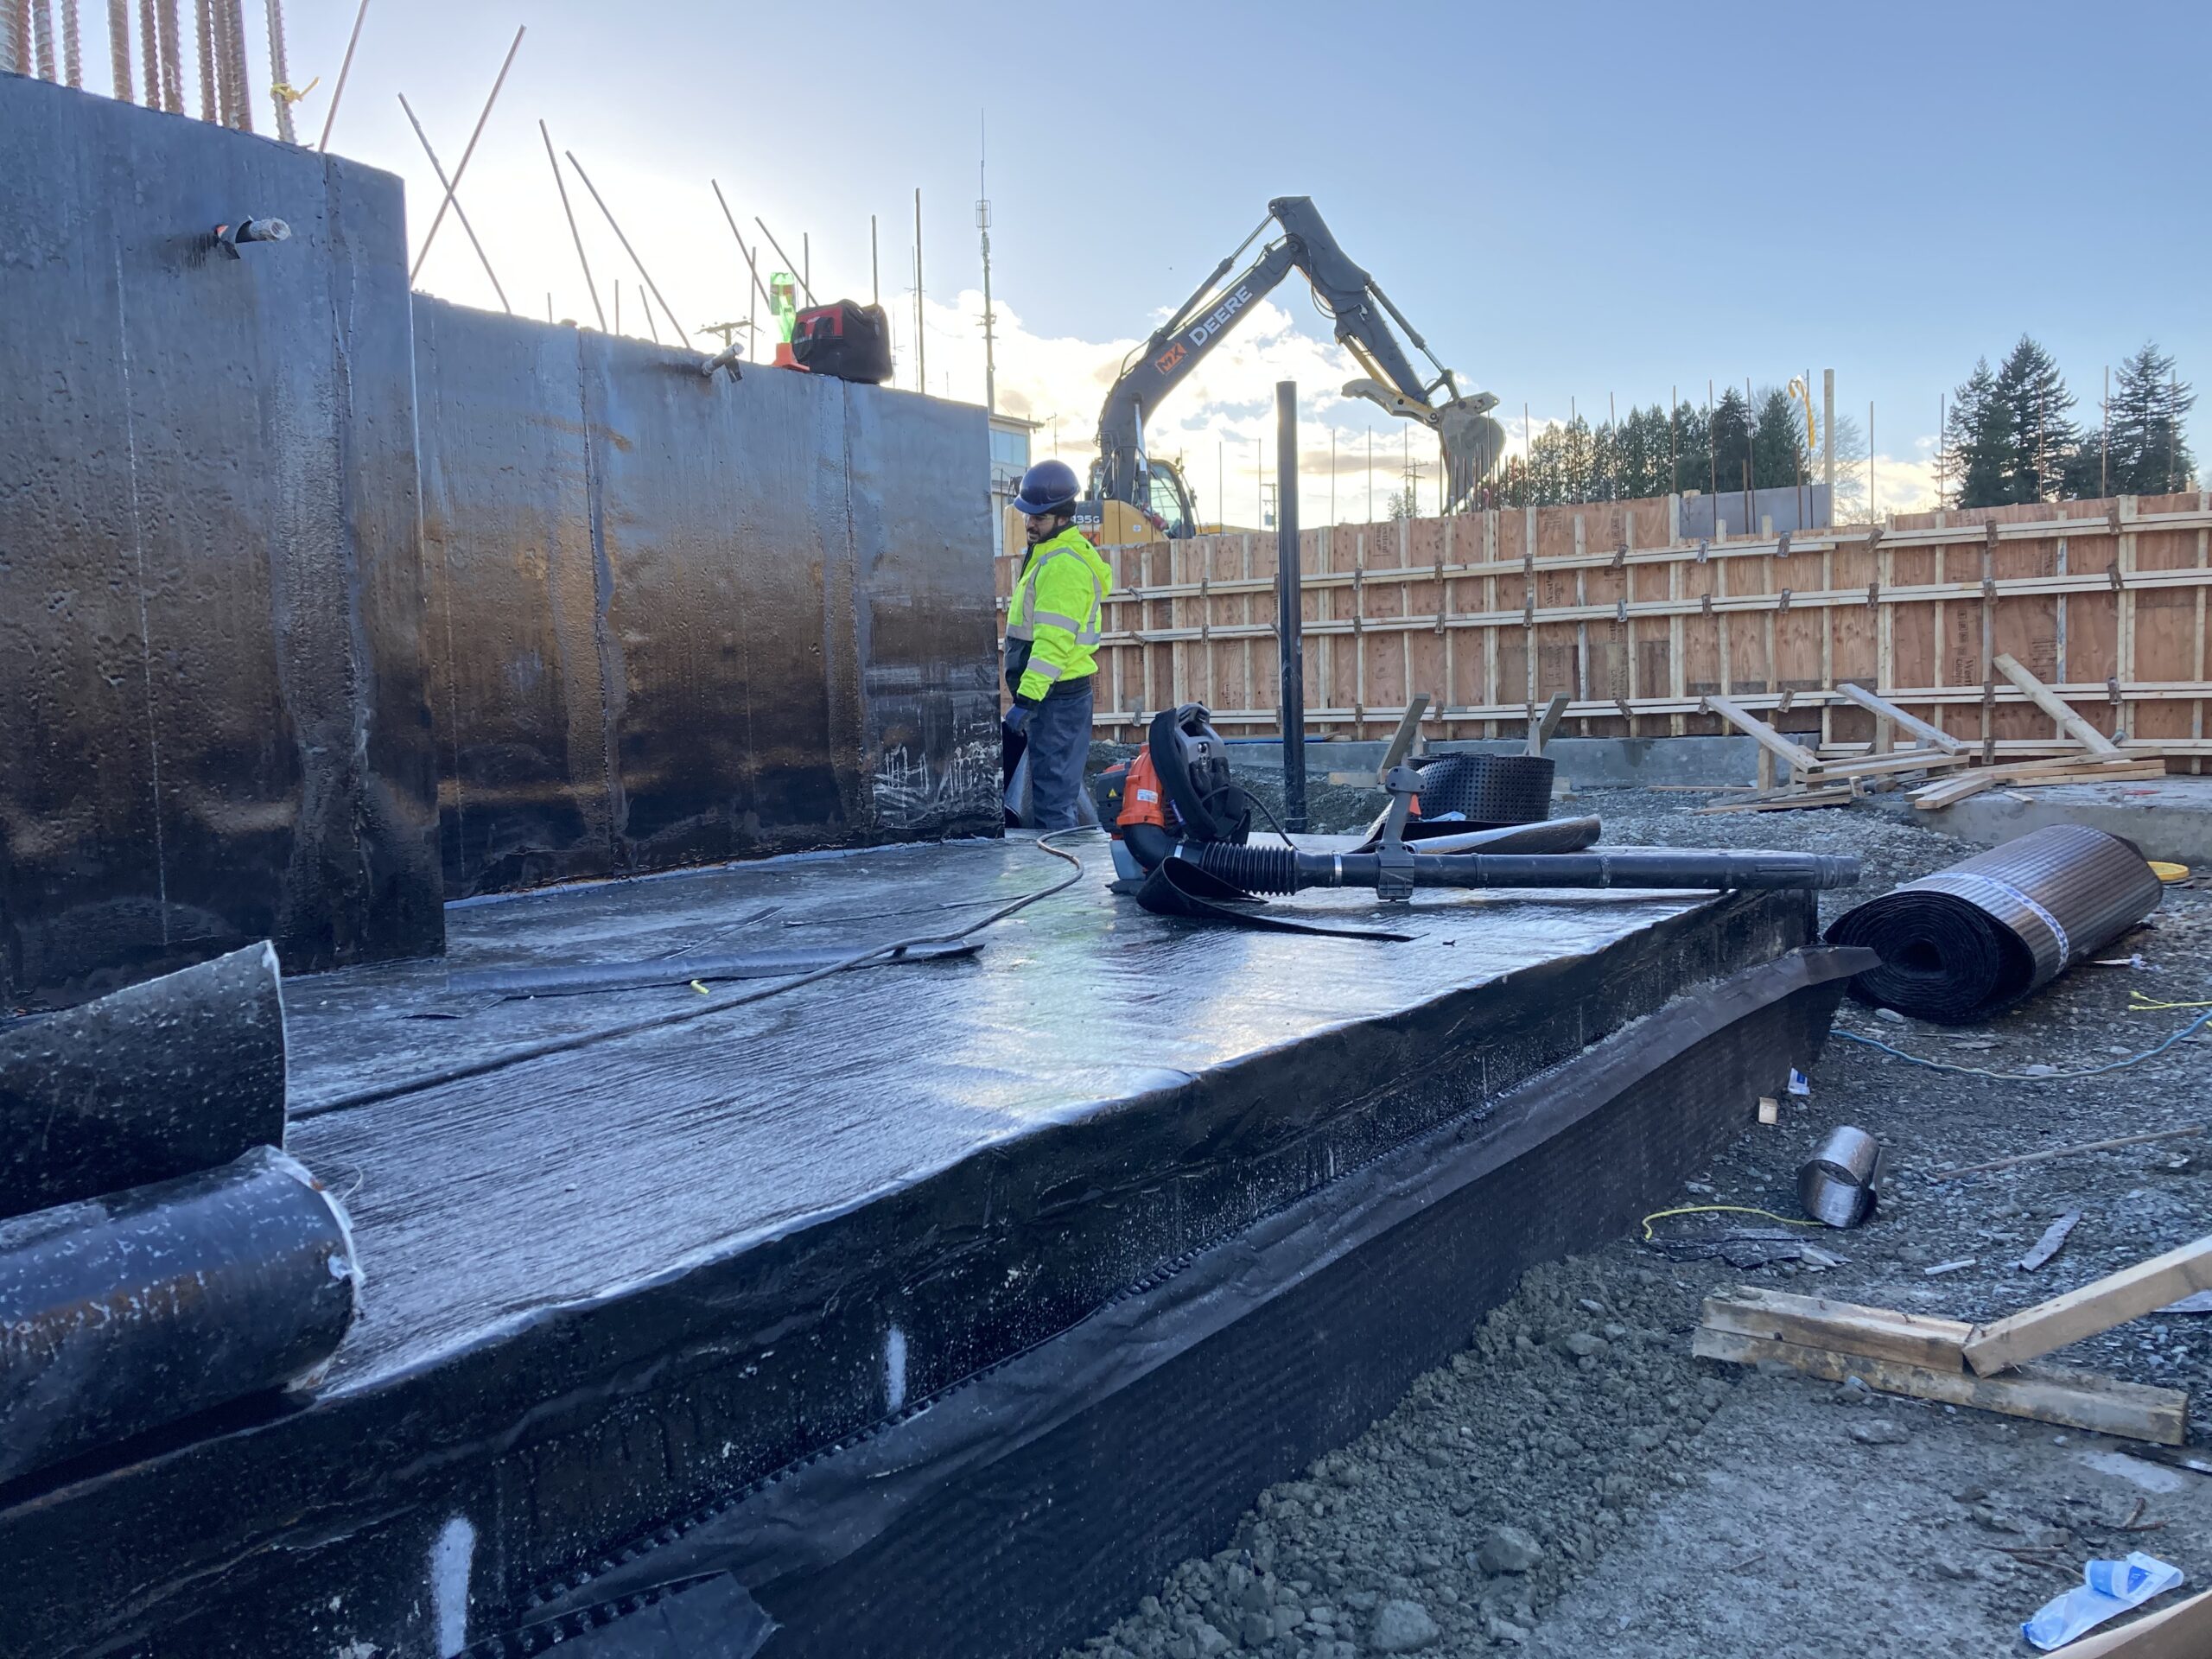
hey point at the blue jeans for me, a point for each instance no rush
(1060, 748)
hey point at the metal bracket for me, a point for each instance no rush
(1394, 875)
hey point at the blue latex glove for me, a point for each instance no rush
(1015, 722)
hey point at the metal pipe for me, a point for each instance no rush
(788, 266)
(459, 212)
(574, 235)
(751, 264)
(644, 276)
(431, 235)
(1289, 632)
(344, 68)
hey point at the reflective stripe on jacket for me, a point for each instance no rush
(1060, 600)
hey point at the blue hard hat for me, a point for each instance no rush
(1048, 486)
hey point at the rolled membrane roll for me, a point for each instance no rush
(120, 1314)
(1958, 946)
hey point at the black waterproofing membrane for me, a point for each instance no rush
(178, 1074)
(1957, 945)
(212, 616)
(129, 1311)
(611, 1288)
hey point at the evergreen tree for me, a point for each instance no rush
(1978, 433)
(2040, 441)
(1777, 444)
(1730, 449)
(2083, 479)
(1691, 446)
(2150, 454)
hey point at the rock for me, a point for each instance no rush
(1504, 1629)
(1402, 1626)
(1258, 1629)
(1883, 1431)
(1507, 1549)
(1208, 1641)
(1891, 1015)
(1583, 1346)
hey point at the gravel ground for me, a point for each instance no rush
(1574, 1483)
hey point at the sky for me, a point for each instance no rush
(1574, 203)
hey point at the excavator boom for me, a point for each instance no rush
(1362, 314)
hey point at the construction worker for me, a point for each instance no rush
(1051, 639)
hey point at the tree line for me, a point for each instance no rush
(2010, 435)
(1732, 444)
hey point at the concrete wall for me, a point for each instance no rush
(675, 621)
(210, 579)
(656, 620)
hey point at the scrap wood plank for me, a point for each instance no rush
(1945, 792)
(2102, 1405)
(1816, 1322)
(2113, 1300)
(1885, 709)
(1897, 760)
(1796, 756)
(2180, 1631)
(2056, 706)
(1782, 800)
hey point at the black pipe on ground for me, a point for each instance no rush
(1280, 869)
(182, 1073)
(123, 1313)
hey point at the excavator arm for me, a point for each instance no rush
(1362, 313)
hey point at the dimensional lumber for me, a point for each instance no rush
(2114, 1299)
(1796, 756)
(2180, 1631)
(2074, 1399)
(1816, 1322)
(1887, 710)
(1897, 760)
(2057, 707)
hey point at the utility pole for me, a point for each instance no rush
(1827, 434)
(983, 227)
(921, 349)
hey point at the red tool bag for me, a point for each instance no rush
(852, 342)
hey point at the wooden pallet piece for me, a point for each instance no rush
(2113, 1300)
(2056, 706)
(1882, 709)
(2046, 1394)
(2180, 1631)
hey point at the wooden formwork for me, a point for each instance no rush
(1493, 612)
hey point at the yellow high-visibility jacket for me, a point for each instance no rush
(1058, 603)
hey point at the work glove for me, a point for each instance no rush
(1015, 722)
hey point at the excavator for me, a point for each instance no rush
(1133, 498)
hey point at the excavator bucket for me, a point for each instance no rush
(1473, 442)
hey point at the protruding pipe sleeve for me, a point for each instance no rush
(123, 1313)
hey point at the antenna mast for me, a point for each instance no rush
(983, 227)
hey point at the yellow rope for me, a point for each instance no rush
(1728, 1209)
(2139, 1003)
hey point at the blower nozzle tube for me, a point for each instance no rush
(1280, 869)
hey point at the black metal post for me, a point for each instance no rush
(1289, 631)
